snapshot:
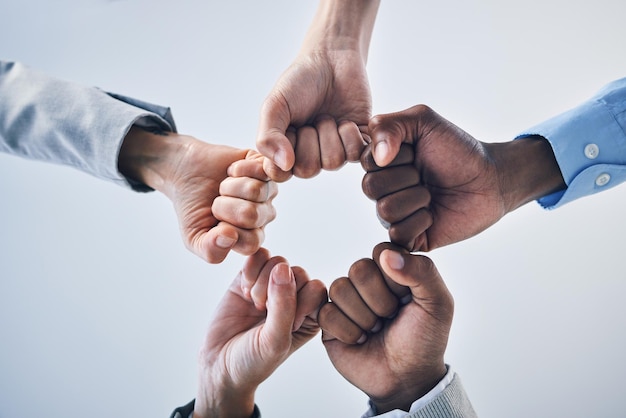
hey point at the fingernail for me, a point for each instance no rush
(377, 327)
(280, 159)
(381, 151)
(281, 274)
(395, 260)
(224, 242)
(297, 324)
(362, 339)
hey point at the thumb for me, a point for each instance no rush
(272, 141)
(281, 309)
(387, 135)
(421, 276)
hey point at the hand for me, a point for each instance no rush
(388, 345)
(435, 184)
(244, 345)
(311, 119)
(190, 173)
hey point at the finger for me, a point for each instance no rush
(405, 156)
(251, 166)
(369, 281)
(338, 326)
(252, 269)
(402, 204)
(382, 183)
(332, 152)
(310, 298)
(345, 296)
(243, 213)
(215, 244)
(421, 276)
(258, 291)
(308, 160)
(248, 240)
(249, 189)
(272, 170)
(387, 133)
(401, 292)
(409, 232)
(352, 139)
(271, 139)
(281, 311)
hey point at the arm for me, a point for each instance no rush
(244, 344)
(390, 318)
(434, 184)
(589, 144)
(311, 119)
(135, 144)
(53, 120)
(472, 184)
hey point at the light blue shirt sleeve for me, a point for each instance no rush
(57, 121)
(589, 143)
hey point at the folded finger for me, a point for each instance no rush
(332, 152)
(308, 159)
(400, 205)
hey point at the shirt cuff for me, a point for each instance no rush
(417, 404)
(589, 144)
(159, 118)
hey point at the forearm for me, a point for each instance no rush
(342, 25)
(527, 170)
(229, 406)
(57, 121)
(588, 144)
(216, 399)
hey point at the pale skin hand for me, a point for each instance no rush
(190, 173)
(400, 360)
(311, 119)
(438, 185)
(244, 344)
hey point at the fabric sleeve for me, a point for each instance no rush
(589, 143)
(446, 400)
(52, 120)
(451, 403)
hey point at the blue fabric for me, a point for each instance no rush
(600, 123)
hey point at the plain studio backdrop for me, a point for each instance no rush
(103, 310)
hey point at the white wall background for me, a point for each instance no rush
(102, 310)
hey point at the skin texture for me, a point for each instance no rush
(311, 119)
(390, 346)
(221, 195)
(245, 344)
(434, 184)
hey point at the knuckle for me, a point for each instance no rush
(339, 289)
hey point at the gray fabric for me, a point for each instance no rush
(47, 119)
(451, 403)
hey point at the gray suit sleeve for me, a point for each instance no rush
(451, 403)
(47, 119)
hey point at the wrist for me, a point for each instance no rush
(342, 25)
(218, 400)
(527, 170)
(404, 396)
(150, 158)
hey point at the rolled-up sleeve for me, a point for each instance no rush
(589, 143)
(57, 121)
